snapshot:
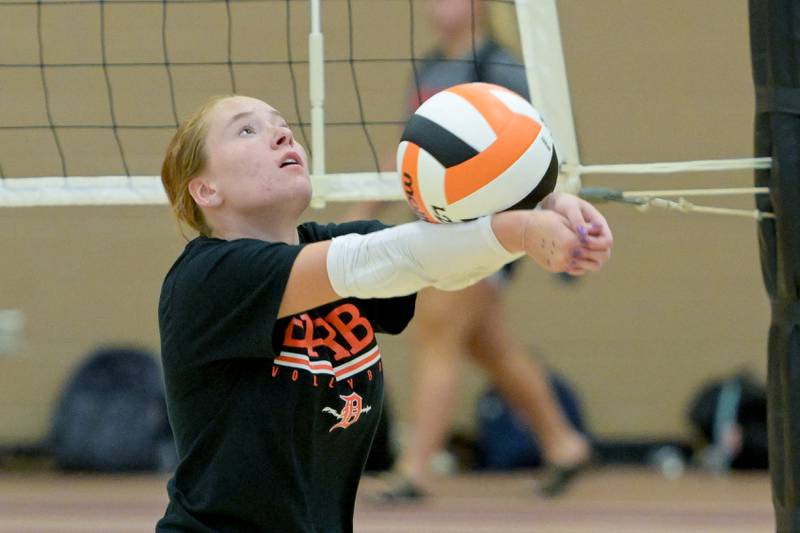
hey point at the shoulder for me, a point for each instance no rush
(313, 232)
(209, 260)
(204, 250)
(501, 67)
(496, 52)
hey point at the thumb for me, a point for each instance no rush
(579, 227)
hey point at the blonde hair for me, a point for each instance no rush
(185, 158)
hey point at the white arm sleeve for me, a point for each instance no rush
(404, 259)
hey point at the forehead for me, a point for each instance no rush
(228, 108)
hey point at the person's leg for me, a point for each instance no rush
(441, 323)
(523, 383)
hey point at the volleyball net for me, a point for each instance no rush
(93, 89)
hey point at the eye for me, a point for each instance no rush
(247, 130)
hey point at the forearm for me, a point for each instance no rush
(407, 258)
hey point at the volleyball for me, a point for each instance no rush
(472, 150)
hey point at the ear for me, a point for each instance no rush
(204, 192)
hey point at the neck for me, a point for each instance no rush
(265, 229)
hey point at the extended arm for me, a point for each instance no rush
(406, 258)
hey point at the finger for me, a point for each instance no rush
(591, 255)
(583, 234)
(574, 215)
(599, 230)
(601, 242)
(576, 221)
(594, 263)
(573, 219)
(589, 265)
(585, 264)
(591, 261)
(597, 223)
(575, 270)
(591, 214)
(595, 230)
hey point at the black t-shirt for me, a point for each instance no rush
(273, 419)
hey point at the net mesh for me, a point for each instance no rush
(96, 88)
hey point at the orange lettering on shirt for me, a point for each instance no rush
(303, 322)
(305, 325)
(348, 329)
(339, 351)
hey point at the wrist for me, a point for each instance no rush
(548, 202)
(510, 228)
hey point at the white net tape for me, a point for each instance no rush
(361, 186)
(672, 167)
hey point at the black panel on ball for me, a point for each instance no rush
(446, 148)
(543, 188)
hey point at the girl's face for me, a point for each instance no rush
(253, 160)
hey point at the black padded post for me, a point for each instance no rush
(775, 51)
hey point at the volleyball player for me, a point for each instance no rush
(273, 374)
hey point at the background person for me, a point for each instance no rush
(466, 52)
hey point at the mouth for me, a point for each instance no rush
(290, 159)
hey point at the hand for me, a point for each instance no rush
(551, 242)
(590, 226)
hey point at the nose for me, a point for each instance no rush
(282, 137)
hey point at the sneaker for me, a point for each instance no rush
(401, 490)
(559, 478)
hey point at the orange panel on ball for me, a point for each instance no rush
(411, 184)
(465, 178)
(493, 110)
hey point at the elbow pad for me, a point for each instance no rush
(404, 259)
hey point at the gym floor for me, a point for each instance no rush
(604, 501)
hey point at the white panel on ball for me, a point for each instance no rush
(517, 104)
(512, 185)
(460, 118)
(431, 188)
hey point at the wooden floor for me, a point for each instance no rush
(604, 501)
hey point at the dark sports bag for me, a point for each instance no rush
(741, 399)
(505, 442)
(111, 416)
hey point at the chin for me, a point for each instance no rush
(305, 190)
(301, 197)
